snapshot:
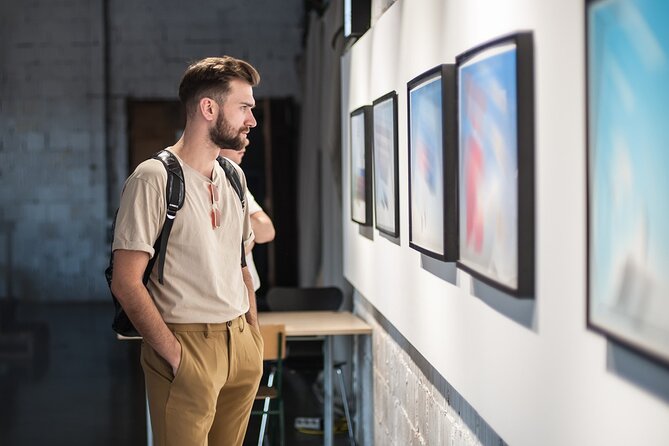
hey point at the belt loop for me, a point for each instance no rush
(241, 323)
(206, 331)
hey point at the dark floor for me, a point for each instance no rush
(66, 380)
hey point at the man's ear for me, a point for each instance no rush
(208, 108)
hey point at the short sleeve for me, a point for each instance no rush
(253, 204)
(141, 212)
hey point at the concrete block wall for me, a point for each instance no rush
(51, 149)
(405, 400)
(53, 169)
(153, 41)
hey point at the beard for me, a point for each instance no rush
(226, 137)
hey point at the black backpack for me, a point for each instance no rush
(175, 192)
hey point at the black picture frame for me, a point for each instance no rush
(357, 17)
(361, 165)
(495, 83)
(386, 165)
(627, 248)
(432, 163)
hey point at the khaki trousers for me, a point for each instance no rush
(209, 400)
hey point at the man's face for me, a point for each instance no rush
(234, 155)
(235, 117)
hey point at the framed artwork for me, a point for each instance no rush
(357, 15)
(628, 185)
(433, 163)
(496, 163)
(361, 165)
(386, 189)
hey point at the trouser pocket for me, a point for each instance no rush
(257, 338)
(155, 365)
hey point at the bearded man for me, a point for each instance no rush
(202, 349)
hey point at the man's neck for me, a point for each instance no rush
(198, 153)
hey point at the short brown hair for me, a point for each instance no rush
(211, 77)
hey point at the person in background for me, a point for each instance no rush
(202, 349)
(262, 225)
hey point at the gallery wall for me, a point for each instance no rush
(531, 367)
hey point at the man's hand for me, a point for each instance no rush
(175, 359)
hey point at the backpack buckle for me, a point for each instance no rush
(172, 211)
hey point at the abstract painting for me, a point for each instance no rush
(361, 161)
(433, 163)
(495, 133)
(628, 184)
(386, 190)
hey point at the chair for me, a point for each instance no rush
(312, 299)
(304, 299)
(269, 391)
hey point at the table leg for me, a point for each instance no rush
(328, 437)
(149, 432)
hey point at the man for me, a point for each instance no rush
(262, 225)
(202, 350)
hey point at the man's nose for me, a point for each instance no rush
(251, 120)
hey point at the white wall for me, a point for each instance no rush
(530, 368)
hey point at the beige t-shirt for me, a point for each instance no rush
(202, 277)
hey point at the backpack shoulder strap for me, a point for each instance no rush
(175, 192)
(233, 177)
(176, 186)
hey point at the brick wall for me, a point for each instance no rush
(52, 116)
(153, 41)
(51, 148)
(403, 400)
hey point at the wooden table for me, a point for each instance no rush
(325, 324)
